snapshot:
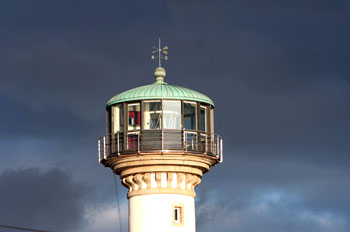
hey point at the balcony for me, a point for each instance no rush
(160, 141)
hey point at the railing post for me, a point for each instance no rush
(217, 146)
(118, 143)
(111, 144)
(162, 140)
(215, 150)
(185, 138)
(221, 155)
(104, 147)
(138, 143)
(211, 143)
(192, 142)
(206, 142)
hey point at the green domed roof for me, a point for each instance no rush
(160, 90)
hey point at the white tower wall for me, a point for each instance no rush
(155, 213)
(161, 190)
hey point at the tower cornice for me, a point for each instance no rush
(160, 173)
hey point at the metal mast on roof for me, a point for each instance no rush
(160, 52)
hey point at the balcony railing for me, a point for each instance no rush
(150, 141)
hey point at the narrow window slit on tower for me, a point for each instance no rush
(178, 215)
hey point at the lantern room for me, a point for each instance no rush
(160, 118)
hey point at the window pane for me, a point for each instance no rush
(203, 118)
(190, 115)
(176, 214)
(152, 115)
(172, 114)
(134, 116)
(117, 118)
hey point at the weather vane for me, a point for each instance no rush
(160, 52)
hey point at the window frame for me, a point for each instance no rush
(206, 118)
(143, 111)
(179, 207)
(163, 116)
(126, 110)
(196, 124)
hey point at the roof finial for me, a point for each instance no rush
(159, 73)
(160, 52)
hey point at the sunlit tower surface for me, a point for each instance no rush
(160, 140)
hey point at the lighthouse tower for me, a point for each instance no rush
(160, 140)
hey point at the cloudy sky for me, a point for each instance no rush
(277, 70)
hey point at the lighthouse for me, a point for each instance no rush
(160, 140)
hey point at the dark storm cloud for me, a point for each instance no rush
(48, 200)
(274, 194)
(277, 71)
(25, 122)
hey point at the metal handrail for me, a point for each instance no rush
(160, 140)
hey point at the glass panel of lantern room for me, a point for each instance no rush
(117, 118)
(190, 115)
(172, 120)
(152, 115)
(134, 118)
(203, 118)
(172, 115)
